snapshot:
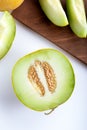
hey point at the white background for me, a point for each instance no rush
(72, 115)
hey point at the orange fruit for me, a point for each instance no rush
(9, 4)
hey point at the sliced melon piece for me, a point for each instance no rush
(7, 33)
(77, 17)
(54, 11)
(43, 79)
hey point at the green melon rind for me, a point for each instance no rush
(7, 33)
(77, 17)
(54, 11)
(66, 80)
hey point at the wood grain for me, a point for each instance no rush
(30, 14)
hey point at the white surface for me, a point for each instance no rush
(72, 115)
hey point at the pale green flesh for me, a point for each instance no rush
(27, 93)
(54, 11)
(77, 17)
(7, 33)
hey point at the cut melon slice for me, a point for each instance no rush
(43, 79)
(7, 33)
(77, 17)
(54, 11)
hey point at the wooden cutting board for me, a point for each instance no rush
(30, 14)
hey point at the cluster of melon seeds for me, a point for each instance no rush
(48, 74)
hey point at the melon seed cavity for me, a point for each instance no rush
(48, 74)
